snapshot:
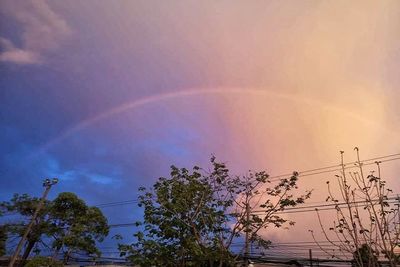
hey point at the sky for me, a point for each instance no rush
(106, 95)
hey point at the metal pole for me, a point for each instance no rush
(47, 184)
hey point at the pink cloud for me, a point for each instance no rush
(16, 55)
(42, 31)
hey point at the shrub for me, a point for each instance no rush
(43, 262)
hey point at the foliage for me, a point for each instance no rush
(78, 226)
(252, 202)
(365, 256)
(67, 222)
(178, 219)
(367, 216)
(43, 262)
(192, 218)
(3, 239)
(26, 206)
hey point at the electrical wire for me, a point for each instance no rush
(304, 173)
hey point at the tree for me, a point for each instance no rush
(251, 203)
(66, 223)
(77, 226)
(3, 239)
(26, 206)
(39, 261)
(192, 218)
(366, 256)
(179, 222)
(368, 218)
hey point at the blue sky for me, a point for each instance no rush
(277, 85)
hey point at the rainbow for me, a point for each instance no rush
(184, 94)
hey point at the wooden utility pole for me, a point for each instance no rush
(246, 248)
(47, 184)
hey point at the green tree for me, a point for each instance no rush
(77, 226)
(25, 205)
(179, 222)
(252, 203)
(39, 261)
(192, 218)
(66, 222)
(3, 239)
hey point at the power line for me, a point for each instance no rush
(304, 173)
(335, 168)
(350, 167)
(301, 209)
(118, 203)
(390, 200)
(309, 208)
(312, 208)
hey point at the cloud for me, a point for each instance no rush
(42, 31)
(18, 56)
(53, 169)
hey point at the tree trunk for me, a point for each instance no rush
(66, 256)
(55, 255)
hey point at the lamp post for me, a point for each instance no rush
(47, 184)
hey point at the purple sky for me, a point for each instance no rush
(106, 95)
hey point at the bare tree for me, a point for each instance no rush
(367, 217)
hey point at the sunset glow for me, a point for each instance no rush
(107, 95)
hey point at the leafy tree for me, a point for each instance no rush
(3, 239)
(77, 226)
(251, 203)
(26, 206)
(66, 222)
(179, 218)
(192, 218)
(368, 218)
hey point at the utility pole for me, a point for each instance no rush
(310, 254)
(47, 184)
(246, 248)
